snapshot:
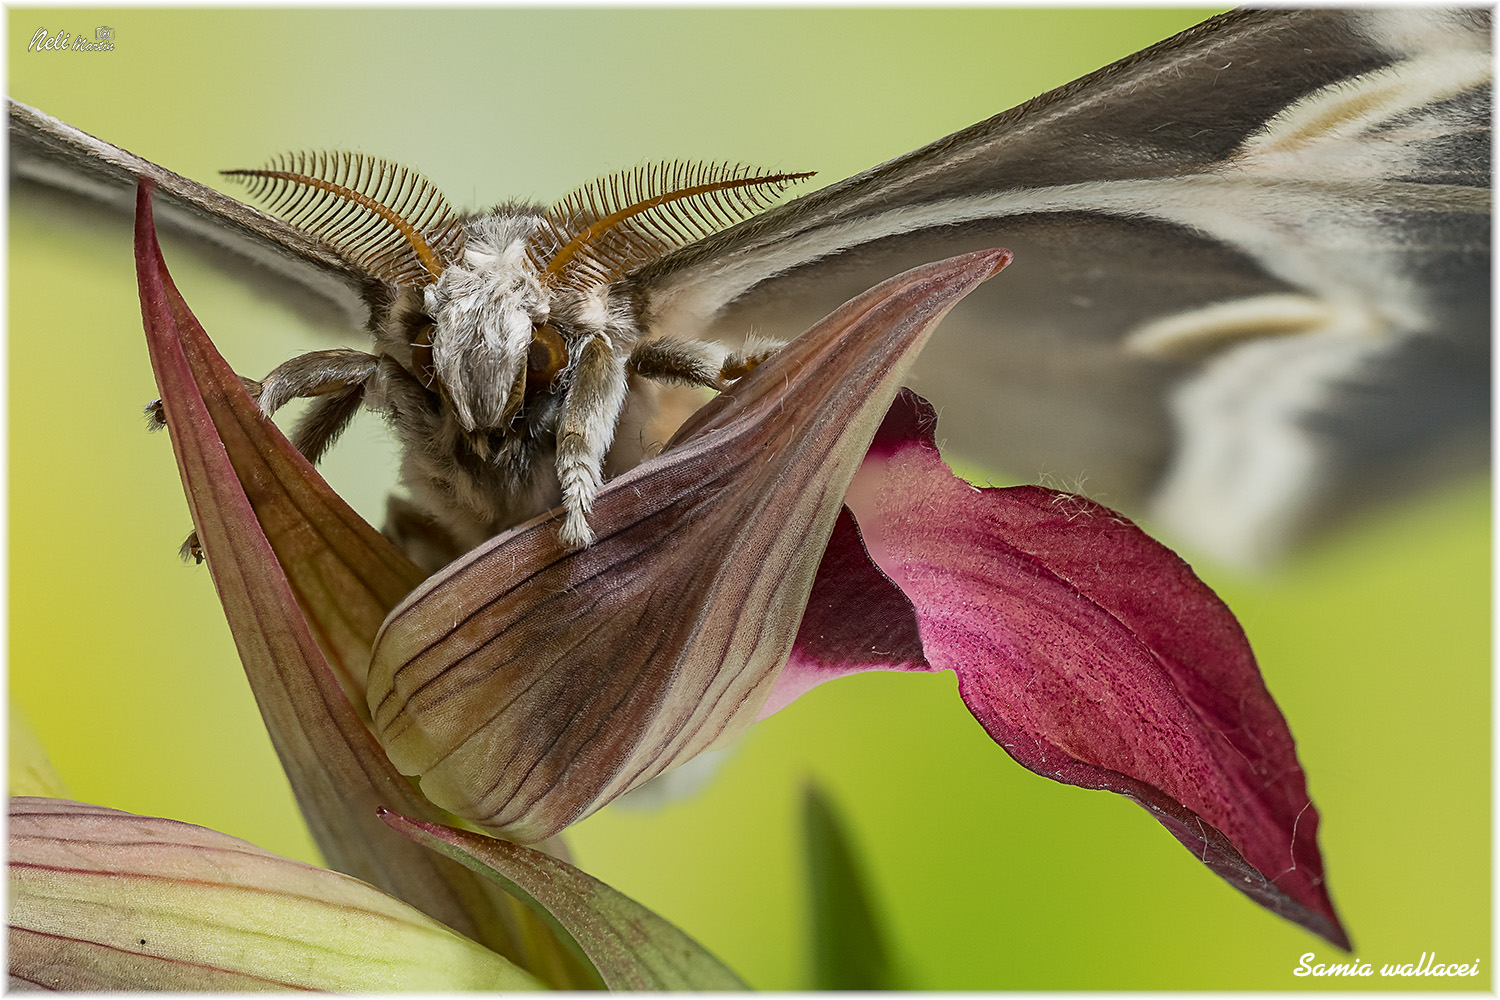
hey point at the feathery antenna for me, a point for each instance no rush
(625, 220)
(382, 217)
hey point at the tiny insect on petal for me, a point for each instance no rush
(527, 685)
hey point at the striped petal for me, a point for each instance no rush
(106, 900)
(527, 684)
(293, 565)
(631, 947)
(1091, 653)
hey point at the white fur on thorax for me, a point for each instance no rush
(471, 465)
(484, 309)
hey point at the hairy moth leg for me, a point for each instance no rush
(317, 373)
(156, 415)
(418, 534)
(591, 409)
(679, 362)
(740, 363)
(697, 362)
(337, 378)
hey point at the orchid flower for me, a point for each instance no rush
(798, 528)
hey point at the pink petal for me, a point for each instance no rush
(856, 620)
(1091, 653)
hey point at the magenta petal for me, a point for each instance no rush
(856, 620)
(1094, 656)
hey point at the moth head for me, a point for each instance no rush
(504, 294)
(530, 289)
(469, 298)
(487, 309)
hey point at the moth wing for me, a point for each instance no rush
(50, 157)
(1251, 283)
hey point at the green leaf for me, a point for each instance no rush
(632, 947)
(848, 948)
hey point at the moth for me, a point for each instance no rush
(1251, 285)
(505, 346)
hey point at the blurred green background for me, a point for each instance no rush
(1375, 641)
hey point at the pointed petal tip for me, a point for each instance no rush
(988, 262)
(1001, 259)
(1337, 936)
(629, 946)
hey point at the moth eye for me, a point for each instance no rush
(545, 359)
(421, 357)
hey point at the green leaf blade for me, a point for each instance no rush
(848, 947)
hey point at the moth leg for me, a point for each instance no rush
(591, 409)
(316, 373)
(336, 378)
(326, 419)
(416, 533)
(678, 362)
(698, 362)
(156, 414)
(744, 361)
